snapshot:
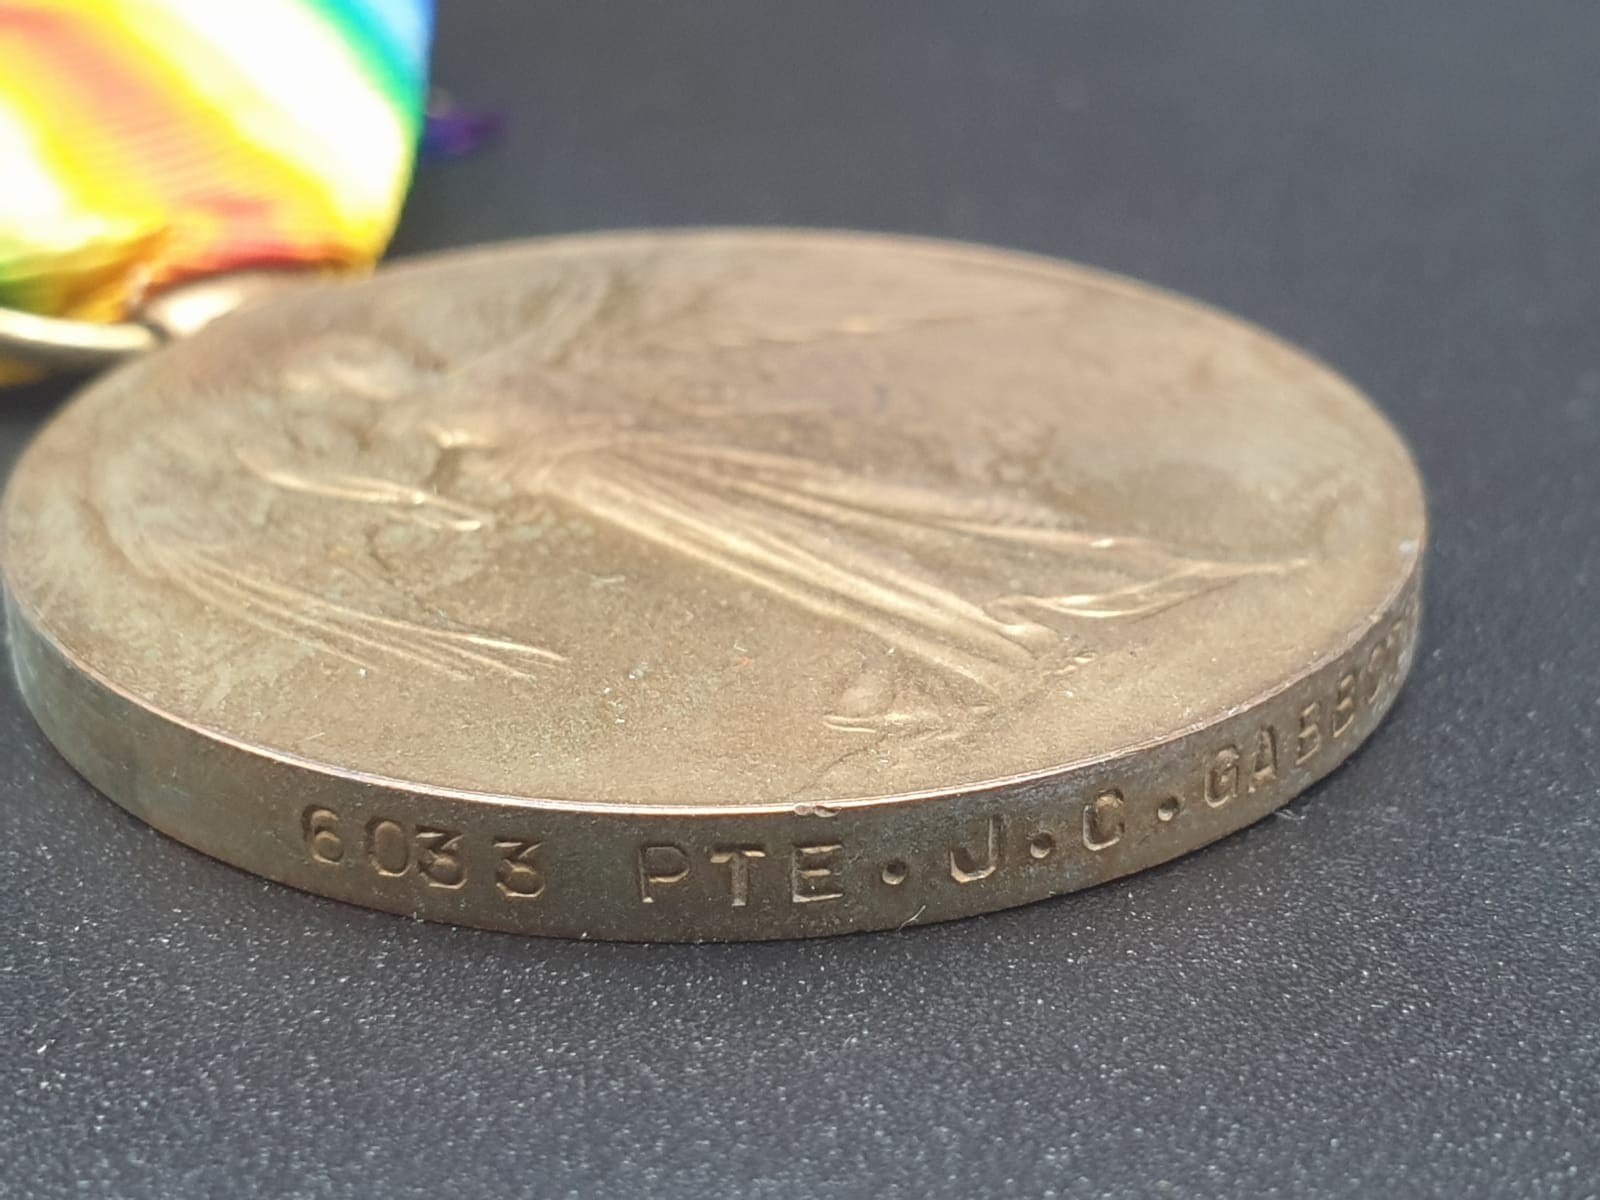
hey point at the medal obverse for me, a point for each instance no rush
(713, 585)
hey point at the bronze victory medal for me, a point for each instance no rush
(713, 585)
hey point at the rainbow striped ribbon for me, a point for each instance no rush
(144, 142)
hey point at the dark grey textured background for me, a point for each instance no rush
(1391, 990)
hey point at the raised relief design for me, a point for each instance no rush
(612, 409)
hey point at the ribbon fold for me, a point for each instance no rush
(146, 142)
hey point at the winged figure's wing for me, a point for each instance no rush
(367, 639)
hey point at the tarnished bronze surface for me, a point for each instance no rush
(714, 584)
